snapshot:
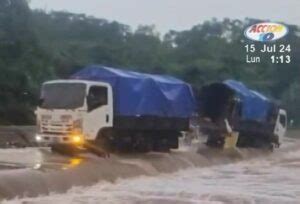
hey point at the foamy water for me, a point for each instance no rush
(273, 179)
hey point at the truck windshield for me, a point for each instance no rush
(63, 95)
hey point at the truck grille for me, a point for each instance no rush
(56, 128)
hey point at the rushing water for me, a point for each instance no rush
(270, 179)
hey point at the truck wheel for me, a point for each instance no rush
(161, 145)
(276, 141)
(64, 149)
(215, 141)
(96, 149)
(100, 146)
(144, 144)
(272, 147)
(104, 139)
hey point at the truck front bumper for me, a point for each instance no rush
(47, 139)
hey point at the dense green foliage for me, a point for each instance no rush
(36, 46)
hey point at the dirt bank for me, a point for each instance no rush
(17, 136)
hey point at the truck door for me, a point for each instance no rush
(99, 105)
(281, 125)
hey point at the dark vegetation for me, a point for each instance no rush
(36, 46)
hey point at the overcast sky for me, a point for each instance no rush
(177, 14)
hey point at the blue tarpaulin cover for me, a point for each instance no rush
(137, 94)
(255, 106)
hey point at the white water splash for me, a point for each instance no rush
(273, 180)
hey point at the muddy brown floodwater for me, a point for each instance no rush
(244, 176)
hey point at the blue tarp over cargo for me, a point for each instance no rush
(137, 94)
(255, 106)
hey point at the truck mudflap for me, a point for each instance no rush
(223, 141)
(230, 140)
(96, 149)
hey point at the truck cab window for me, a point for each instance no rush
(282, 120)
(97, 97)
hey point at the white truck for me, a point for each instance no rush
(105, 108)
(259, 121)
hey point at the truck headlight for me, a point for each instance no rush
(76, 136)
(77, 139)
(38, 138)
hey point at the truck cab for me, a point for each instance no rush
(102, 108)
(73, 111)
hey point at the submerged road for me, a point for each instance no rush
(264, 180)
(39, 176)
(32, 171)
